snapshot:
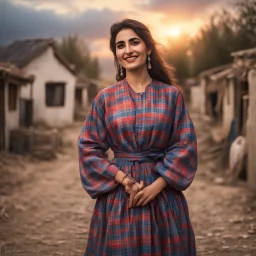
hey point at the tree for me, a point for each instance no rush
(224, 33)
(246, 24)
(212, 46)
(76, 52)
(178, 56)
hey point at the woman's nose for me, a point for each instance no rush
(128, 49)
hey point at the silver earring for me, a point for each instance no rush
(149, 64)
(121, 71)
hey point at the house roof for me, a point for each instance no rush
(222, 74)
(22, 52)
(231, 72)
(214, 70)
(247, 53)
(10, 70)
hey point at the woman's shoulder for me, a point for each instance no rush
(109, 89)
(167, 88)
(106, 93)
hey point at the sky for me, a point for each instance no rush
(91, 20)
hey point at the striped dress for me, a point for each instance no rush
(152, 135)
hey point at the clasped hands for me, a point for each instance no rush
(139, 194)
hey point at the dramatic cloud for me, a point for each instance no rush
(77, 6)
(184, 9)
(18, 22)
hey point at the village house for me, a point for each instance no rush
(85, 91)
(232, 103)
(246, 60)
(209, 93)
(195, 94)
(53, 91)
(11, 81)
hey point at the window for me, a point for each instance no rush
(55, 94)
(12, 96)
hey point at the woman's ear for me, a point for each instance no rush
(149, 52)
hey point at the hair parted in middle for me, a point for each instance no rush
(160, 70)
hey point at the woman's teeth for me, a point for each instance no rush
(131, 58)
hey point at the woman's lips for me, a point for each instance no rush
(131, 59)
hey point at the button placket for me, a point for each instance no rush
(137, 100)
(136, 121)
(140, 119)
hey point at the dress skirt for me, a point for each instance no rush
(161, 228)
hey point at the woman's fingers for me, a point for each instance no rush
(132, 195)
(146, 201)
(141, 201)
(137, 197)
(136, 193)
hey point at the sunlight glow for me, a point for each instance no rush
(174, 32)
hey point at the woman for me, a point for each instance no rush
(140, 208)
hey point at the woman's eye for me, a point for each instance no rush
(135, 42)
(119, 46)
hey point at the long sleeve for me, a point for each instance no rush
(97, 173)
(179, 165)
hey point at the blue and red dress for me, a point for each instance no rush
(152, 135)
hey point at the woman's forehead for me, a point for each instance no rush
(126, 34)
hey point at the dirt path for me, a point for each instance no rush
(49, 214)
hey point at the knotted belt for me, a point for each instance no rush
(140, 156)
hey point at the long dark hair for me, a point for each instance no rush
(160, 70)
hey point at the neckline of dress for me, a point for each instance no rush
(137, 93)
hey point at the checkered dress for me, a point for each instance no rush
(152, 135)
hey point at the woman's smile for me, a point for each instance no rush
(131, 59)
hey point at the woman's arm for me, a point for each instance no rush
(180, 162)
(97, 172)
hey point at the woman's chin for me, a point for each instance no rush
(134, 69)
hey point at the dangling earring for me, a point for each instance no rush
(149, 64)
(121, 71)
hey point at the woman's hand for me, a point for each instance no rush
(149, 193)
(132, 187)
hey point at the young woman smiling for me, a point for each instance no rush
(140, 208)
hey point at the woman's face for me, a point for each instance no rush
(131, 51)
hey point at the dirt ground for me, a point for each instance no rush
(45, 211)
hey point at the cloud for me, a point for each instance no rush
(176, 11)
(18, 22)
(77, 6)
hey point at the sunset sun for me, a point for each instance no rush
(174, 32)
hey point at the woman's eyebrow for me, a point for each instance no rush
(130, 40)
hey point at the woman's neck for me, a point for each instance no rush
(138, 79)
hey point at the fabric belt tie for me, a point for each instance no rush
(140, 156)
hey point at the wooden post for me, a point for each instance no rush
(251, 130)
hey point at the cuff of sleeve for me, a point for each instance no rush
(160, 172)
(112, 169)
